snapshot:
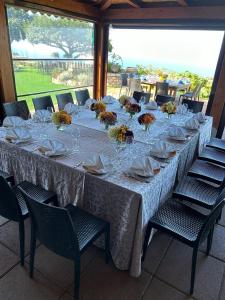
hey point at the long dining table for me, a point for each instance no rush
(126, 203)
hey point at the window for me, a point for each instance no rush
(50, 53)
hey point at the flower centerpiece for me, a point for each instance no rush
(146, 120)
(98, 107)
(132, 109)
(61, 118)
(121, 134)
(108, 118)
(124, 100)
(169, 108)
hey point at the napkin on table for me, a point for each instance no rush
(14, 122)
(151, 105)
(95, 164)
(162, 149)
(52, 147)
(108, 100)
(71, 108)
(89, 102)
(177, 133)
(200, 117)
(145, 166)
(17, 135)
(42, 115)
(192, 124)
(182, 109)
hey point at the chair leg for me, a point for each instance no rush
(77, 279)
(107, 245)
(22, 241)
(147, 236)
(56, 202)
(120, 90)
(209, 241)
(32, 250)
(193, 268)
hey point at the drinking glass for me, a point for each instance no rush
(49, 108)
(75, 133)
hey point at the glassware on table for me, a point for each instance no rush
(50, 109)
(75, 133)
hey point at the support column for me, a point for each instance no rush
(5, 59)
(101, 59)
(217, 96)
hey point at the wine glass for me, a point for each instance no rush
(75, 133)
(50, 109)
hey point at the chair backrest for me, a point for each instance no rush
(160, 99)
(43, 103)
(9, 206)
(138, 95)
(63, 99)
(53, 227)
(197, 90)
(17, 108)
(212, 218)
(195, 106)
(82, 96)
(124, 79)
(162, 88)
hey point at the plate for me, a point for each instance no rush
(95, 172)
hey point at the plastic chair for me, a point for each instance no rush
(43, 103)
(9, 178)
(162, 89)
(13, 206)
(213, 155)
(17, 108)
(186, 225)
(138, 95)
(195, 106)
(194, 94)
(216, 143)
(124, 83)
(63, 99)
(67, 232)
(160, 99)
(82, 96)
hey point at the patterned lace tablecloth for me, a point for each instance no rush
(126, 203)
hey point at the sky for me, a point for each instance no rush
(177, 50)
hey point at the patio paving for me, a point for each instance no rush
(165, 275)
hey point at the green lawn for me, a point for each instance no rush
(31, 80)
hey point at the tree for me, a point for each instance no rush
(17, 19)
(73, 37)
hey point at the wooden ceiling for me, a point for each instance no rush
(106, 4)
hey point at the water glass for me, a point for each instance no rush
(75, 133)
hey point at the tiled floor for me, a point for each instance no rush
(165, 275)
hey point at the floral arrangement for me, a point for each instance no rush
(146, 120)
(124, 100)
(98, 107)
(108, 118)
(61, 117)
(120, 133)
(169, 108)
(132, 109)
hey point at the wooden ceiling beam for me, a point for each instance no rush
(68, 5)
(168, 13)
(182, 2)
(133, 3)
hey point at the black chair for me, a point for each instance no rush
(195, 106)
(207, 171)
(160, 100)
(138, 95)
(63, 99)
(213, 155)
(124, 82)
(13, 206)
(65, 231)
(197, 192)
(43, 103)
(82, 96)
(9, 178)
(216, 144)
(17, 108)
(186, 225)
(162, 88)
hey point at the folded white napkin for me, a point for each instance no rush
(162, 149)
(200, 117)
(182, 109)
(89, 102)
(14, 122)
(151, 105)
(176, 132)
(133, 101)
(17, 135)
(192, 124)
(52, 147)
(108, 100)
(145, 166)
(71, 108)
(96, 164)
(42, 116)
